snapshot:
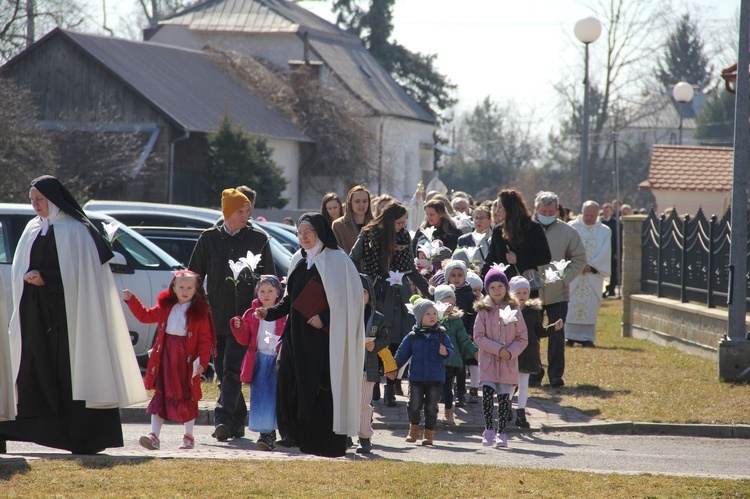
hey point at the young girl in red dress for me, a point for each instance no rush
(180, 354)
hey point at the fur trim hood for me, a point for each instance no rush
(486, 303)
(167, 299)
(534, 304)
(456, 313)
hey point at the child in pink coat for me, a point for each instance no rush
(501, 337)
(259, 366)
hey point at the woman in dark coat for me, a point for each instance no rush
(518, 241)
(322, 354)
(70, 381)
(384, 245)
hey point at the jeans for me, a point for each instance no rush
(424, 394)
(231, 409)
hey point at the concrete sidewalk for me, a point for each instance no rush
(543, 415)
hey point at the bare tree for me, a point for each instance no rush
(22, 21)
(25, 153)
(631, 30)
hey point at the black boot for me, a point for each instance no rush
(365, 446)
(266, 441)
(397, 390)
(376, 392)
(390, 398)
(521, 421)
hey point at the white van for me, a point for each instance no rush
(139, 265)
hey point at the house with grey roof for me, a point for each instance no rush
(172, 95)
(287, 35)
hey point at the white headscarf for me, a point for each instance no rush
(313, 252)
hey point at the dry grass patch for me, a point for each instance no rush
(180, 478)
(626, 379)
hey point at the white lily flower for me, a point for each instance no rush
(551, 275)
(111, 229)
(430, 249)
(441, 308)
(508, 315)
(236, 268)
(409, 308)
(560, 266)
(462, 220)
(428, 231)
(471, 253)
(396, 278)
(271, 339)
(500, 266)
(250, 260)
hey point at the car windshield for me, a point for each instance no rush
(147, 254)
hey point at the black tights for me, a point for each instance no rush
(488, 394)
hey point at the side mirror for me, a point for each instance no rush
(119, 264)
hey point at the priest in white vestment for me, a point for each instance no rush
(586, 289)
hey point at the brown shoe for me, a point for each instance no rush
(449, 418)
(429, 436)
(413, 433)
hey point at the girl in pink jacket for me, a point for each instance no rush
(263, 340)
(500, 334)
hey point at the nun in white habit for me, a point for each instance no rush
(72, 363)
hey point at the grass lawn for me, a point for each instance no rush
(626, 379)
(184, 478)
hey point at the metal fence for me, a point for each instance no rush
(687, 259)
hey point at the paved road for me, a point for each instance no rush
(690, 456)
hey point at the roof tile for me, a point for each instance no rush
(690, 168)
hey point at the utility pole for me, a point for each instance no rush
(734, 349)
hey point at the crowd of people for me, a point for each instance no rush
(439, 292)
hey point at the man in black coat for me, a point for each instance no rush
(610, 221)
(230, 296)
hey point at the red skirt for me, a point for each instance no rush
(173, 399)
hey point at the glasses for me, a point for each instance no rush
(305, 233)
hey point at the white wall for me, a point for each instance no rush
(286, 154)
(688, 202)
(404, 159)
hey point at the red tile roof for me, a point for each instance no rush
(690, 168)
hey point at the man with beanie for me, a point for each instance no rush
(232, 239)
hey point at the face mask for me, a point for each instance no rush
(545, 220)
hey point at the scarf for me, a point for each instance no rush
(401, 261)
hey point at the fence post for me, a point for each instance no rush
(710, 301)
(658, 256)
(632, 256)
(683, 258)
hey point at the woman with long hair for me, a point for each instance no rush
(517, 240)
(384, 245)
(357, 214)
(331, 207)
(438, 217)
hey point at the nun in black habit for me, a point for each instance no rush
(71, 357)
(322, 353)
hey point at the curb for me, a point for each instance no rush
(137, 415)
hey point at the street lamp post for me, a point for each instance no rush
(683, 93)
(587, 30)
